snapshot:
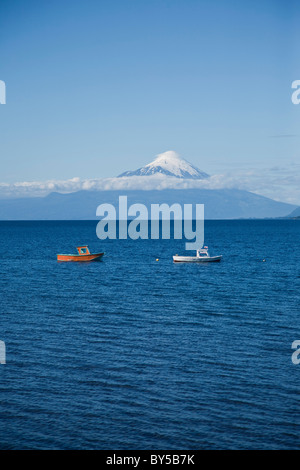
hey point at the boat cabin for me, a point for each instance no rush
(203, 252)
(83, 250)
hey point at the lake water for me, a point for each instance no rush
(134, 353)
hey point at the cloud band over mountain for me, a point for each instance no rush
(170, 171)
(281, 184)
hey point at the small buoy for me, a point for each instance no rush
(264, 260)
(157, 259)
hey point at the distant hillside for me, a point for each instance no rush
(81, 205)
(295, 213)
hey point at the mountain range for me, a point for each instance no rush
(82, 205)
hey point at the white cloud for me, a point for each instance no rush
(281, 184)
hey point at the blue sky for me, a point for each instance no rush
(95, 88)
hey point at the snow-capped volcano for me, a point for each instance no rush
(170, 164)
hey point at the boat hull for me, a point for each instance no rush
(196, 259)
(80, 258)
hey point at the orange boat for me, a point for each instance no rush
(84, 254)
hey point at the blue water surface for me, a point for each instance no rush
(134, 353)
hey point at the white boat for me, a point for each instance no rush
(202, 256)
